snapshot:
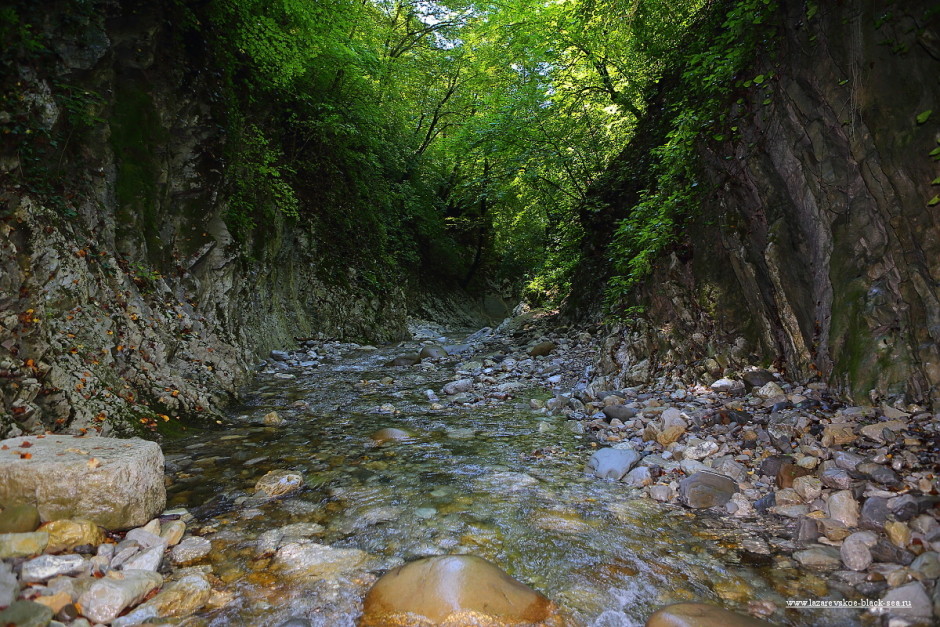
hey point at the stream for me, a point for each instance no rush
(496, 480)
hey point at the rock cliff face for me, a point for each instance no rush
(128, 301)
(820, 248)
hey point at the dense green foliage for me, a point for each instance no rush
(457, 135)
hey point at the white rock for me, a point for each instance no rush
(116, 483)
(48, 566)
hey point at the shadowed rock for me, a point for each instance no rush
(701, 615)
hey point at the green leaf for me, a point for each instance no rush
(935, 152)
(936, 181)
(767, 101)
(924, 116)
(934, 201)
(759, 79)
(843, 82)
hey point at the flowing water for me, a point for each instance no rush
(499, 481)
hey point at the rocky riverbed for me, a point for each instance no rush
(739, 489)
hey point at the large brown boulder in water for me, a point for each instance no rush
(701, 615)
(455, 591)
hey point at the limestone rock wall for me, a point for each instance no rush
(820, 249)
(128, 304)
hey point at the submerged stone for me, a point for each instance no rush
(701, 615)
(455, 590)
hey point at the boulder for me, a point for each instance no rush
(612, 463)
(706, 489)
(408, 359)
(700, 615)
(618, 412)
(116, 483)
(432, 352)
(541, 349)
(455, 590)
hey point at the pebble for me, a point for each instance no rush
(279, 482)
(107, 597)
(844, 508)
(26, 614)
(855, 551)
(22, 544)
(819, 557)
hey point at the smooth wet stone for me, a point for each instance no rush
(107, 597)
(9, 586)
(26, 614)
(190, 549)
(390, 434)
(65, 535)
(48, 566)
(619, 412)
(319, 560)
(855, 552)
(454, 590)
(122, 489)
(846, 460)
(272, 419)
(177, 599)
(844, 508)
(612, 463)
(432, 352)
(541, 349)
(22, 544)
(885, 551)
(898, 533)
(878, 473)
(701, 615)
(296, 622)
(19, 519)
(874, 513)
(279, 482)
(819, 557)
(408, 359)
(928, 564)
(706, 489)
(661, 493)
(144, 538)
(757, 378)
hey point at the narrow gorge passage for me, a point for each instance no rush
(492, 478)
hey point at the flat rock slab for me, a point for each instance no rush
(116, 483)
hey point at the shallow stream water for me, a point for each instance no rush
(500, 481)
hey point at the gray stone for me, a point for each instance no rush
(846, 460)
(296, 622)
(661, 493)
(844, 508)
(706, 489)
(9, 587)
(619, 412)
(884, 551)
(874, 513)
(611, 463)
(836, 478)
(109, 596)
(432, 352)
(727, 385)
(458, 387)
(48, 566)
(116, 483)
(190, 550)
(878, 473)
(819, 557)
(757, 378)
(148, 559)
(541, 349)
(928, 564)
(280, 355)
(145, 538)
(699, 450)
(26, 614)
(855, 551)
(912, 594)
(638, 477)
